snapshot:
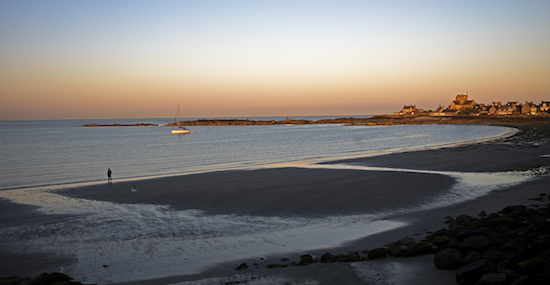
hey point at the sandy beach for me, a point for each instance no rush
(318, 193)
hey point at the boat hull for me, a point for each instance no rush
(181, 131)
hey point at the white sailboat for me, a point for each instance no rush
(179, 129)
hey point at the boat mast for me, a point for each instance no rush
(178, 116)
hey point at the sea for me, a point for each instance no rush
(43, 153)
(110, 242)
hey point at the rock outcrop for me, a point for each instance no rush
(508, 247)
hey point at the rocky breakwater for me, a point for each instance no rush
(121, 125)
(239, 122)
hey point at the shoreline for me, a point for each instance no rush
(528, 153)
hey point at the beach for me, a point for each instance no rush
(321, 193)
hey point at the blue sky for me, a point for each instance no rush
(65, 59)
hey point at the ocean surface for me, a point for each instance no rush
(40, 153)
(108, 242)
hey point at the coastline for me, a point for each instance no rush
(372, 121)
(523, 151)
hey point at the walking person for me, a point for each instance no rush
(109, 179)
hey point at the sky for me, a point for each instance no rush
(140, 59)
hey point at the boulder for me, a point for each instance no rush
(470, 233)
(471, 257)
(378, 253)
(455, 243)
(394, 250)
(442, 241)
(537, 220)
(350, 257)
(530, 280)
(510, 246)
(417, 249)
(54, 277)
(44, 278)
(242, 266)
(405, 241)
(327, 257)
(438, 233)
(510, 209)
(501, 220)
(471, 273)
(354, 256)
(494, 279)
(306, 259)
(475, 243)
(464, 218)
(12, 280)
(448, 258)
(504, 265)
(531, 266)
(511, 272)
(495, 256)
(492, 216)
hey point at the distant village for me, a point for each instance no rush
(464, 107)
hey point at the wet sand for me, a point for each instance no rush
(297, 192)
(282, 192)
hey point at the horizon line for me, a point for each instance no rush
(194, 117)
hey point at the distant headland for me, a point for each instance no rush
(376, 120)
(460, 111)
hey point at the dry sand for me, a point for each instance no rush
(317, 193)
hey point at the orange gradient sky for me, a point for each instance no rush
(139, 59)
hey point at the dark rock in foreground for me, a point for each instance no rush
(378, 253)
(448, 258)
(306, 259)
(394, 250)
(405, 241)
(494, 279)
(471, 273)
(43, 279)
(327, 257)
(417, 249)
(509, 247)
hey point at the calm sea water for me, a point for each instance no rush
(37, 153)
